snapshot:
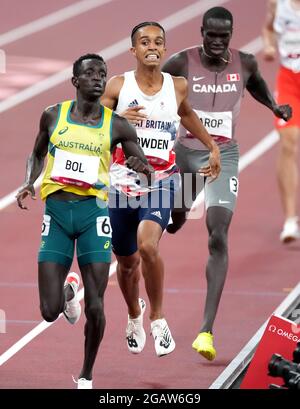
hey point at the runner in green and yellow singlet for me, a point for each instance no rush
(78, 137)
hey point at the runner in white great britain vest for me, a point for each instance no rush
(153, 102)
(156, 134)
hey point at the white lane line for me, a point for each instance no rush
(258, 150)
(50, 20)
(169, 23)
(254, 46)
(11, 197)
(42, 326)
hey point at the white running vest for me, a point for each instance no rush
(156, 134)
(287, 27)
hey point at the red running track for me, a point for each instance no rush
(261, 270)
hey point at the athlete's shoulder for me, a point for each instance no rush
(112, 90)
(51, 113)
(248, 60)
(114, 84)
(116, 79)
(118, 121)
(177, 64)
(179, 81)
(179, 56)
(180, 86)
(53, 108)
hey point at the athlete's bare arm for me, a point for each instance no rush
(193, 124)
(177, 65)
(112, 90)
(124, 133)
(268, 33)
(259, 89)
(111, 96)
(35, 162)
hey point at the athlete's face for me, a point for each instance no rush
(216, 36)
(149, 45)
(92, 77)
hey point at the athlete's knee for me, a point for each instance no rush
(218, 241)
(129, 267)
(49, 314)
(94, 310)
(289, 146)
(148, 250)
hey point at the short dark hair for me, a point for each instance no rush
(219, 13)
(90, 56)
(145, 24)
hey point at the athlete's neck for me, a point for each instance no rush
(150, 80)
(216, 60)
(85, 110)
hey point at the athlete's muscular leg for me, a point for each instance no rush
(217, 220)
(287, 170)
(95, 278)
(128, 273)
(51, 289)
(149, 234)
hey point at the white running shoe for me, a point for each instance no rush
(72, 309)
(135, 333)
(290, 230)
(83, 383)
(163, 340)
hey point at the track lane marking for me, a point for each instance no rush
(118, 48)
(50, 20)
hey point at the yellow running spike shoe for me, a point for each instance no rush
(203, 344)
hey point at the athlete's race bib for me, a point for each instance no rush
(155, 143)
(72, 169)
(217, 123)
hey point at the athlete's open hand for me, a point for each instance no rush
(283, 111)
(134, 114)
(213, 168)
(27, 190)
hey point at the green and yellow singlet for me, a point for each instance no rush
(78, 157)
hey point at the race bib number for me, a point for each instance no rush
(217, 123)
(103, 226)
(234, 185)
(155, 143)
(72, 169)
(46, 225)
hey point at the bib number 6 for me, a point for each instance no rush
(103, 226)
